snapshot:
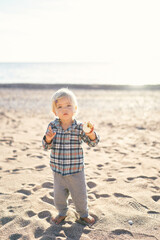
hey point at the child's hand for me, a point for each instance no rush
(50, 135)
(88, 127)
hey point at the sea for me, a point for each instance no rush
(55, 73)
(62, 73)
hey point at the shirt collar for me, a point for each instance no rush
(58, 124)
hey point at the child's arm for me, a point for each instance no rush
(91, 135)
(48, 137)
(92, 141)
(91, 138)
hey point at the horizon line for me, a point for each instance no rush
(104, 62)
(81, 86)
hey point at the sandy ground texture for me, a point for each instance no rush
(122, 172)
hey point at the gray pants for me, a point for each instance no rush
(75, 184)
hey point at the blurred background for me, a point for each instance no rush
(87, 41)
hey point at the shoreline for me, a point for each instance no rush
(80, 86)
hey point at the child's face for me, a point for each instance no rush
(64, 109)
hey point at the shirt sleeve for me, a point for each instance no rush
(90, 143)
(45, 145)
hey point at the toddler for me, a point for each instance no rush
(64, 137)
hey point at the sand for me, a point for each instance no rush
(122, 172)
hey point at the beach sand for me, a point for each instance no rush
(122, 171)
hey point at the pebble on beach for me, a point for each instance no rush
(130, 222)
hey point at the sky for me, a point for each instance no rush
(123, 33)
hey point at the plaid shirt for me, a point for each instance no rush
(66, 152)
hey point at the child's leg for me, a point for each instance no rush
(77, 188)
(61, 194)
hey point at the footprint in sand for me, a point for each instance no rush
(10, 159)
(24, 223)
(156, 198)
(120, 195)
(91, 184)
(5, 220)
(97, 195)
(102, 195)
(31, 185)
(15, 171)
(106, 163)
(100, 165)
(156, 187)
(40, 157)
(144, 177)
(30, 213)
(133, 203)
(44, 214)
(36, 188)
(51, 194)
(15, 236)
(130, 167)
(47, 185)
(25, 191)
(97, 173)
(7, 140)
(38, 232)
(138, 206)
(40, 167)
(24, 149)
(110, 179)
(130, 178)
(47, 200)
(121, 232)
(154, 214)
(10, 209)
(96, 149)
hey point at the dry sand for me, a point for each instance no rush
(122, 172)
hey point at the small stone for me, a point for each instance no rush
(130, 222)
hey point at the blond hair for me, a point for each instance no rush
(63, 92)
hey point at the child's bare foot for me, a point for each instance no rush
(58, 219)
(89, 220)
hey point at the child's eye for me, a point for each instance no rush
(59, 107)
